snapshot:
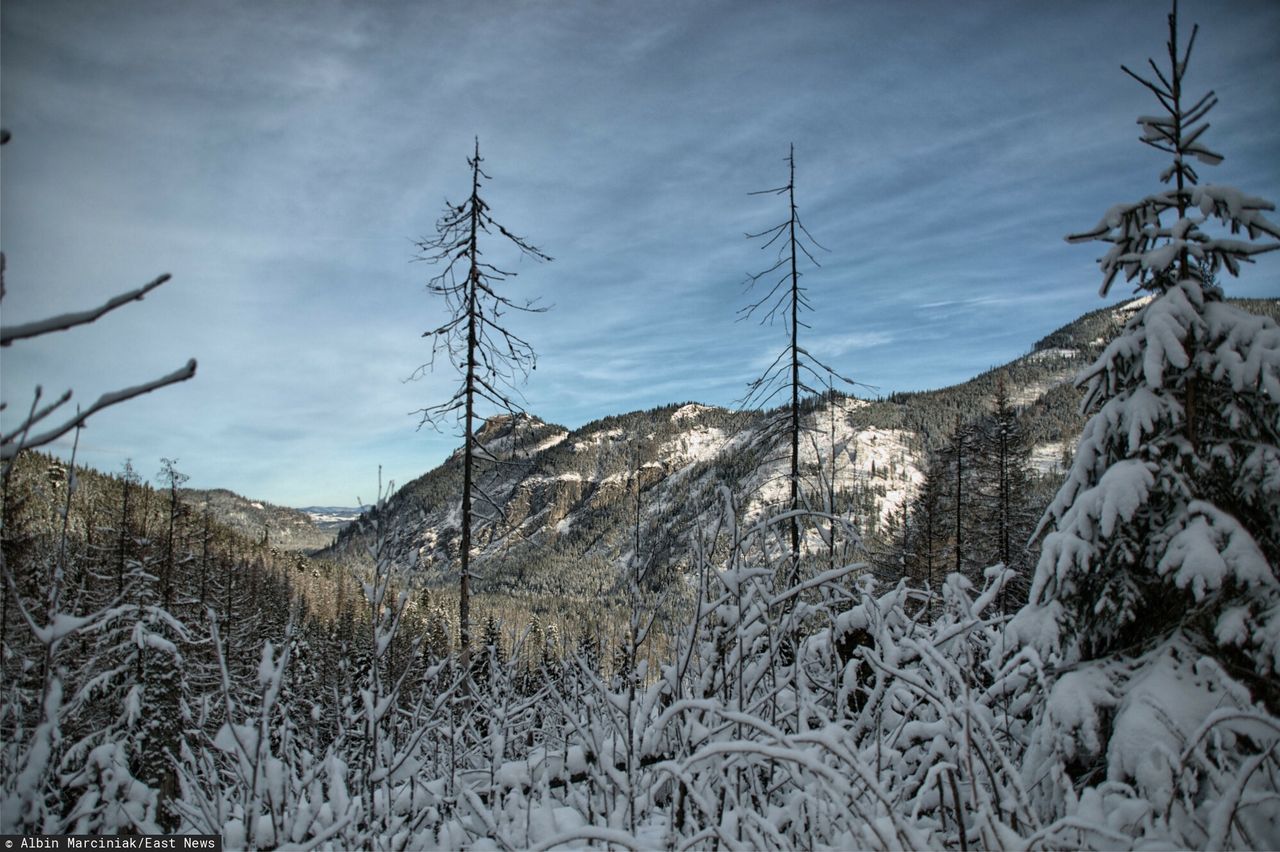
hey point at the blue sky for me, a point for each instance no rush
(279, 159)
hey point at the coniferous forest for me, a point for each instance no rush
(615, 637)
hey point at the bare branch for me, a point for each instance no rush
(35, 416)
(105, 401)
(1162, 94)
(63, 322)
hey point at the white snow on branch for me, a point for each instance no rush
(62, 322)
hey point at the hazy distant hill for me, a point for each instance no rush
(332, 519)
(286, 529)
(568, 500)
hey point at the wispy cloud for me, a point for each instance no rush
(280, 161)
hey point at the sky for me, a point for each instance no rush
(281, 159)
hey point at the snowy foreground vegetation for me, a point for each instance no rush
(829, 714)
(1130, 699)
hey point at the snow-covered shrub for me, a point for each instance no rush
(878, 730)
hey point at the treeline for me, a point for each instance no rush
(285, 528)
(978, 505)
(139, 623)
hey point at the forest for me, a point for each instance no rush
(565, 639)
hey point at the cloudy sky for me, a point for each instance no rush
(280, 159)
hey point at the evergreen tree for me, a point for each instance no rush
(945, 534)
(1004, 495)
(959, 460)
(127, 542)
(173, 479)
(435, 646)
(490, 656)
(927, 536)
(1156, 591)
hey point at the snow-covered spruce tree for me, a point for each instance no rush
(1156, 594)
(475, 339)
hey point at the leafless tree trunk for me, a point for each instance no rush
(794, 368)
(493, 360)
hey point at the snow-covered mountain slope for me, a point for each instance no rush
(567, 504)
(564, 506)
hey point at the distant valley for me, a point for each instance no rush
(571, 504)
(284, 528)
(332, 519)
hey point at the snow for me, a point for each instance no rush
(595, 439)
(1058, 352)
(1046, 458)
(1162, 707)
(695, 445)
(563, 476)
(1076, 705)
(553, 440)
(334, 514)
(930, 741)
(689, 412)
(515, 442)
(858, 451)
(236, 739)
(1212, 548)
(1164, 331)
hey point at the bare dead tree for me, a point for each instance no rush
(795, 371)
(493, 360)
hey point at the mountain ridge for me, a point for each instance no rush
(284, 528)
(562, 502)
